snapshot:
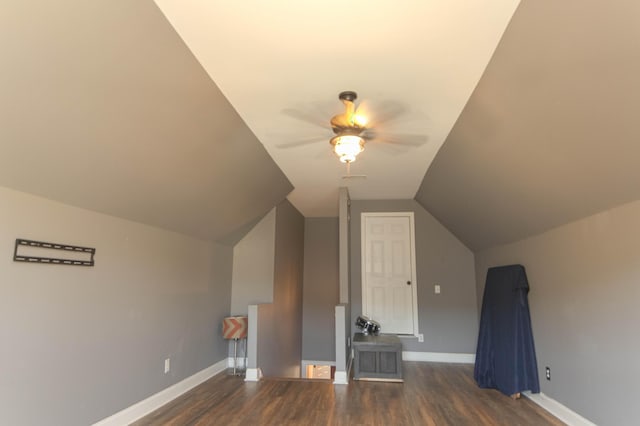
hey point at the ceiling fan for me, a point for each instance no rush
(353, 128)
(348, 127)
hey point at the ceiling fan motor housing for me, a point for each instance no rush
(344, 124)
(348, 96)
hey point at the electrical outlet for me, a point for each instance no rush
(167, 365)
(548, 373)
(437, 288)
(421, 338)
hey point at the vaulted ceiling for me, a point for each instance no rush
(278, 59)
(173, 113)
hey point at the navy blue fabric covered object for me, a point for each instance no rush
(506, 355)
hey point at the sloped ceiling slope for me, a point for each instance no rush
(551, 132)
(103, 107)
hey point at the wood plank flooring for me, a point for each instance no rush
(432, 394)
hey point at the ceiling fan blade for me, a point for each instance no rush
(363, 108)
(404, 139)
(301, 142)
(408, 139)
(385, 112)
(317, 113)
(362, 115)
(307, 117)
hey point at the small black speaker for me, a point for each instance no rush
(368, 326)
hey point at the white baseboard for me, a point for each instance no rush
(439, 357)
(146, 406)
(253, 375)
(340, 378)
(565, 414)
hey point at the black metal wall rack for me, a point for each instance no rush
(87, 253)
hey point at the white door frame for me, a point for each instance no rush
(414, 280)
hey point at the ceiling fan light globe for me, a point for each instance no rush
(347, 147)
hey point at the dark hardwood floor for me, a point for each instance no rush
(432, 394)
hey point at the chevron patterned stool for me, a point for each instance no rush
(235, 328)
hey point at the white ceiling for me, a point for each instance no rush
(270, 57)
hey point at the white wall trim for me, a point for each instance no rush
(253, 375)
(340, 378)
(146, 406)
(439, 357)
(343, 376)
(562, 412)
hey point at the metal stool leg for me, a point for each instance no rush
(235, 355)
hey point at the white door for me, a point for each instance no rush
(389, 293)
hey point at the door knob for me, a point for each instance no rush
(408, 282)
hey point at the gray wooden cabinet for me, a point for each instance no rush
(377, 358)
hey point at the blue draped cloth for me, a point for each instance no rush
(506, 355)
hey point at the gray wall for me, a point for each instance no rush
(449, 321)
(280, 323)
(78, 344)
(549, 134)
(321, 289)
(253, 263)
(584, 309)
